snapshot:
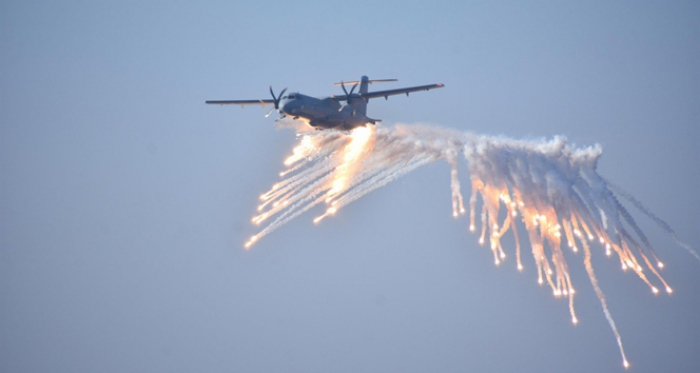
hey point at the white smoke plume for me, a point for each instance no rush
(549, 187)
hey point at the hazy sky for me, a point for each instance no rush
(125, 201)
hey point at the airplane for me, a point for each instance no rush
(329, 113)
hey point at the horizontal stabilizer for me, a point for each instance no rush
(369, 81)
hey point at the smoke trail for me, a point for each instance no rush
(549, 186)
(603, 302)
(660, 222)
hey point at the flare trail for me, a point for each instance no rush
(550, 187)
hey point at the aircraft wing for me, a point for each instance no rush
(399, 91)
(242, 102)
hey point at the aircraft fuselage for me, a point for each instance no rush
(323, 113)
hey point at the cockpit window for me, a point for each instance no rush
(292, 97)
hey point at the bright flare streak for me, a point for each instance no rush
(251, 242)
(302, 151)
(360, 137)
(550, 185)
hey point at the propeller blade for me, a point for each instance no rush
(353, 89)
(343, 86)
(278, 98)
(274, 99)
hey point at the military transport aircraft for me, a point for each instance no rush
(329, 113)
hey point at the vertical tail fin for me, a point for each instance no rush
(364, 83)
(360, 105)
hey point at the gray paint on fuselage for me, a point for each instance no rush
(325, 113)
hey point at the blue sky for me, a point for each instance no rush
(126, 201)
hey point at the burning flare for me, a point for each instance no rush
(551, 187)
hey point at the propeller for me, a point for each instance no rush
(345, 90)
(278, 98)
(348, 95)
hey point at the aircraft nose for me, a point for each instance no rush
(288, 107)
